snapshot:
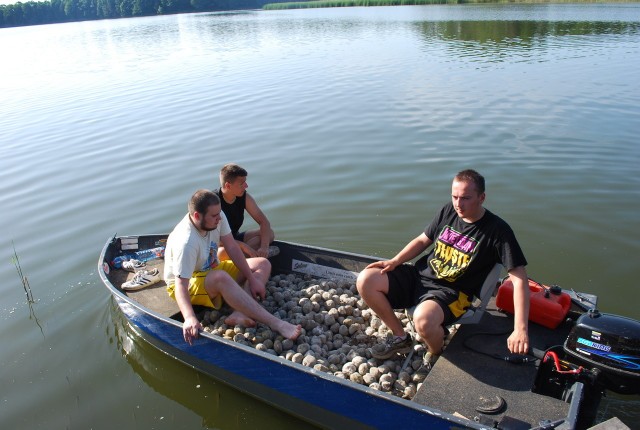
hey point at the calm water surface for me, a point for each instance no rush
(351, 123)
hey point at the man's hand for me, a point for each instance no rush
(257, 289)
(191, 329)
(410, 251)
(385, 266)
(263, 251)
(518, 342)
(247, 250)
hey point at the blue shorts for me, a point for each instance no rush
(239, 236)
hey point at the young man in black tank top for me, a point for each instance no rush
(235, 200)
(468, 241)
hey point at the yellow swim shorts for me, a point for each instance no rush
(198, 293)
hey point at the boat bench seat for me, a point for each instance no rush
(154, 297)
(157, 299)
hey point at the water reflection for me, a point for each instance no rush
(525, 32)
(219, 406)
(343, 116)
(498, 41)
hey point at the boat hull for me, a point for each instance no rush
(314, 396)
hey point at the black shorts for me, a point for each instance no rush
(407, 289)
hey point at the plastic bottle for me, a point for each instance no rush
(116, 263)
(149, 254)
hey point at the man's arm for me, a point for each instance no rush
(191, 326)
(246, 249)
(263, 222)
(235, 254)
(410, 251)
(518, 342)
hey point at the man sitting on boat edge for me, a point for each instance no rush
(195, 275)
(468, 241)
(235, 200)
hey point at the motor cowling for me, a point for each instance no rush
(611, 344)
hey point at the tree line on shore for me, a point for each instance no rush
(56, 11)
(355, 3)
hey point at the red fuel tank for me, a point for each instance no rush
(548, 305)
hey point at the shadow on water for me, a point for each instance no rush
(218, 405)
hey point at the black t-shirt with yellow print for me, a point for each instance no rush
(464, 253)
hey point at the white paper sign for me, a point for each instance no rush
(320, 271)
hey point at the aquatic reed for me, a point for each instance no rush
(27, 288)
(25, 282)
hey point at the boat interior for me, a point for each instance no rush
(471, 379)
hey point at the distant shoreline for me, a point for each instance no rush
(360, 3)
(33, 12)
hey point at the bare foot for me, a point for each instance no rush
(288, 330)
(238, 318)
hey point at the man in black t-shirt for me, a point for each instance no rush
(235, 200)
(468, 240)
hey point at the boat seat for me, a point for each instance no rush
(474, 313)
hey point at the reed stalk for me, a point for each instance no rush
(25, 282)
(25, 285)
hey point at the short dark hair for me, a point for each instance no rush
(470, 175)
(230, 172)
(201, 200)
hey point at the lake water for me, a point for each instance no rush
(351, 123)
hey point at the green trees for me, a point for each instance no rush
(52, 11)
(29, 13)
(106, 9)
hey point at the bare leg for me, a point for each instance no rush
(373, 287)
(261, 269)
(222, 253)
(219, 282)
(252, 238)
(428, 318)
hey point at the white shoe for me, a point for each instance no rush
(141, 279)
(133, 265)
(273, 251)
(393, 345)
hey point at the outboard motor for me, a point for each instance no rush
(610, 344)
(601, 352)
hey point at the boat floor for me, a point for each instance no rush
(154, 297)
(463, 380)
